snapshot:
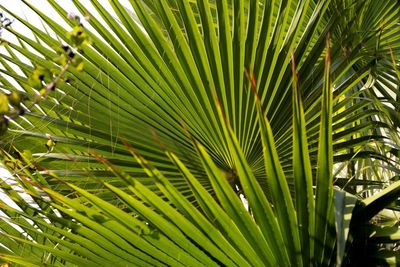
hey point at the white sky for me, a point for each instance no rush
(20, 9)
(17, 7)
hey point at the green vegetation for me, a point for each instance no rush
(202, 133)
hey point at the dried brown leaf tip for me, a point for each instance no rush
(328, 50)
(253, 82)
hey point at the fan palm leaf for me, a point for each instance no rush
(153, 69)
(229, 92)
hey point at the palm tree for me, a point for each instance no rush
(136, 137)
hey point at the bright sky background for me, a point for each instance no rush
(18, 8)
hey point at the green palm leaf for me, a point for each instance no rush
(218, 100)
